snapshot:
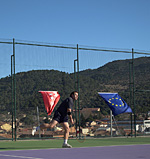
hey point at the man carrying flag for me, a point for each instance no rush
(115, 103)
(61, 116)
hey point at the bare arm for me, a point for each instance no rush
(70, 115)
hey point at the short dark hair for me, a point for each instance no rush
(72, 93)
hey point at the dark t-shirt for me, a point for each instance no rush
(67, 103)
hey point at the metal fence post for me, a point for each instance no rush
(12, 96)
(130, 89)
(14, 87)
(75, 89)
(133, 91)
(78, 87)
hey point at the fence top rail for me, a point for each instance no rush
(111, 50)
(79, 48)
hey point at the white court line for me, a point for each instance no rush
(19, 156)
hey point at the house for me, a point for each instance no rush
(148, 115)
(85, 131)
(102, 131)
(6, 127)
(103, 124)
(146, 126)
(89, 111)
(93, 123)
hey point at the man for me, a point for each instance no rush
(61, 116)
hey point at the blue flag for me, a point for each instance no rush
(115, 103)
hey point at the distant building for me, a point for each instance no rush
(146, 124)
(148, 115)
(6, 127)
(89, 111)
(104, 131)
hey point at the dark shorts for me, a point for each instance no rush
(58, 117)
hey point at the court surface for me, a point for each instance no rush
(102, 152)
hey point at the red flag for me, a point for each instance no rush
(50, 99)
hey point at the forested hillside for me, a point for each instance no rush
(112, 77)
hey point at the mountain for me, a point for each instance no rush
(112, 77)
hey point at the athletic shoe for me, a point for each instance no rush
(66, 146)
(33, 131)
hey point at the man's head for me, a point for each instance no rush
(74, 95)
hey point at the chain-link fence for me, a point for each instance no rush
(27, 67)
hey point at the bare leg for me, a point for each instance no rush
(66, 128)
(50, 125)
(45, 126)
(66, 135)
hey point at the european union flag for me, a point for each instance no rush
(116, 103)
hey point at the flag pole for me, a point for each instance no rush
(38, 119)
(111, 123)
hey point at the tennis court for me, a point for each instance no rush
(105, 148)
(106, 152)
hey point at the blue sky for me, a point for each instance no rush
(101, 23)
